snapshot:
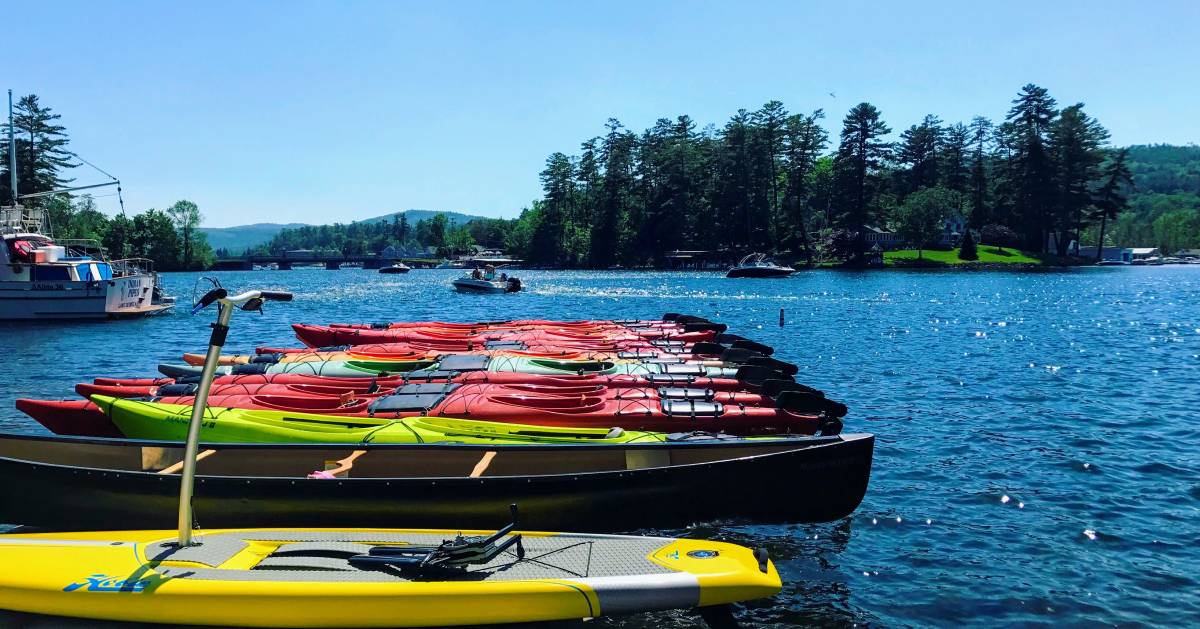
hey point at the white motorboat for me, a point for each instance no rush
(398, 267)
(469, 284)
(758, 265)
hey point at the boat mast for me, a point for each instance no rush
(12, 150)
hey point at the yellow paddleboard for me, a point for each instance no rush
(304, 578)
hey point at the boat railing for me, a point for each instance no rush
(85, 246)
(133, 266)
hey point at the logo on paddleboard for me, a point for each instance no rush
(704, 554)
(105, 583)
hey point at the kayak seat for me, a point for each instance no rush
(425, 389)
(177, 390)
(463, 362)
(579, 366)
(684, 369)
(681, 393)
(252, 369)
(405, 403)
(692, 408)
(504, 345)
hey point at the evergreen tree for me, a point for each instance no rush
(804, 141)
(967, 250)
(861, 153)
(1110, 200)
(980, 129)
(954, 170)
(42, 154)
(769, 124)
(609, 233)
(1076, 141)
(920, 148)
(1031, 169)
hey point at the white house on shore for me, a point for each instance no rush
(885, 238)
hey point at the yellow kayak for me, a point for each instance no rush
(309, 578)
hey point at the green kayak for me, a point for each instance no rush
(169, 422)
(457, 364)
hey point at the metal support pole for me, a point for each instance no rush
(187, 480)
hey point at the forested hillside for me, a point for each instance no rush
(1164, 207)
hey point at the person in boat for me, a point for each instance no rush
(476, 274)
(489, 273)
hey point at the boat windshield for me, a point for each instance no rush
(755, 259)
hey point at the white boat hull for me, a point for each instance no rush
(130, 296)
(468, 285)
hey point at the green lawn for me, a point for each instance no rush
(987, 255)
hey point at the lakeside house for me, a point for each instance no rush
(1109, 254)
(885, 239)
(1188, 253)
(952, 230)
(1145, 253)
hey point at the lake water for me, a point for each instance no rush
(1038, 459)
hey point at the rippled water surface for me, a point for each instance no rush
(1038, 459)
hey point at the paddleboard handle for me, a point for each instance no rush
(220, 329)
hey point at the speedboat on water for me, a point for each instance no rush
(398, 267)
(487, 282)
(758, 265)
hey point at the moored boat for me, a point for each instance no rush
(468, 284)
(758, 265)
(398, 267)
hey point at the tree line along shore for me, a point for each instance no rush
(1022, 189)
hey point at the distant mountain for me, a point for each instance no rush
(457, 218)
(238, 239)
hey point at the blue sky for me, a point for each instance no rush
(322, 111)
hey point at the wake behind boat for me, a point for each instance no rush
(758, 265)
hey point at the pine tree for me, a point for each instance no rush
(920, 148)
(1034, 192)
(42, 155)
(1110, 200)
(1076, 144)
(981, 129)
(804, 142)
(861, 153)
(967, 250)
(954, 170)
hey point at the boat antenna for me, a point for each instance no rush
(12, 150)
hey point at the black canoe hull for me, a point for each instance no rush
(793, 486)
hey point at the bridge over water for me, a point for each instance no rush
(285, 262)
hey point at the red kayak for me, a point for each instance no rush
(645, 411)
(364, 391)
(750, 378)
(325, 336)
